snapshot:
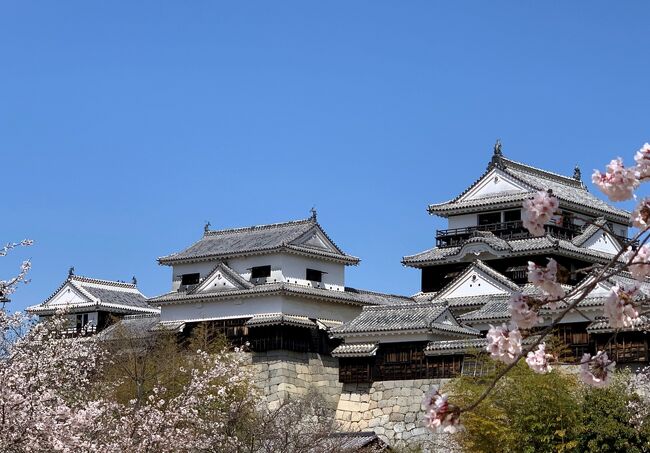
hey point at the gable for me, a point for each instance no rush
(473, 282)
(494, 183)
(68, 295)
(603, 242)
(315, 239)
(221, 279)
(446, 317)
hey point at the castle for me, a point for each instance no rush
(281, 287)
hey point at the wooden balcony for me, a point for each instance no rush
(505, 230)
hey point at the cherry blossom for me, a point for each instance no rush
(641, 214)
(538, 360)
(597, 370)
(504, 343)
(537, 211)
(618, 182)
(638, 261)
(521, 314)
(440, 416)
(618, 307)
(545, 278)
(642, 158)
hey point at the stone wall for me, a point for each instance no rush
(393, 410)
(280, 374)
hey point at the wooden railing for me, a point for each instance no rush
(505, 230)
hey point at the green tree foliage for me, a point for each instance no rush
(605, 425)
(529, 412)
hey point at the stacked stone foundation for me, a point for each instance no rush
(392, 409)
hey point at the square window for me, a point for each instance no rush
(190, 279)
(314, 275)
(261, 272)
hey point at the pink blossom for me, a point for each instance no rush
(638, 261)
(439, 414)
(545, 278)
(618, 183)
(641, 214)
(619, 309)
(642, 158)
(504, 343)
(538, 360)
(522, 315)
(597, 370)
(537, 211)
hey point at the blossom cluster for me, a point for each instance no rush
(521, 313)
(618, 182)
(439, 414)
(597, 370)
(538, 211)
(504, 342)
(619, 308)
(545, 278)
(538, 361)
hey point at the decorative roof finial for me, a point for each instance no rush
(206, 227)
(313, 212)
(71, 271)
(577, 174)
(496, 157)
(134, 280)
(497, 148)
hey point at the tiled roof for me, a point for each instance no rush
(350, 295)
(495, 309)
(257, 240)
(402, 318)
(570, 191)
(602, 325)
(106, 295)
(170, 326)
(390, 318)
(518, 247)
(451, 346)
(599, 224)
(355, 350)
(356, 441)
(131, 327)
(441, 347)
(279, 319)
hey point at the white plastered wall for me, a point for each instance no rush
(239, 308)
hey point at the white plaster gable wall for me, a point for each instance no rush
(294, 268)
(219, 281)
(247, 307)
(203, 268)
(68, 295)
(603, 242)
(495, 182)
(284, 267)
(474, 283)
(462, 221)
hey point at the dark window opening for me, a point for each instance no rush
(512, 216)
(261, 272)
(489, 218)
(314, 275)
(82, 320)
(190, 279)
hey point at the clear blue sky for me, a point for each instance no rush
(125, 125)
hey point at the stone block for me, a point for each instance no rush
(409, 417)
(356, 416)
(355, 397)
(396, 417)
